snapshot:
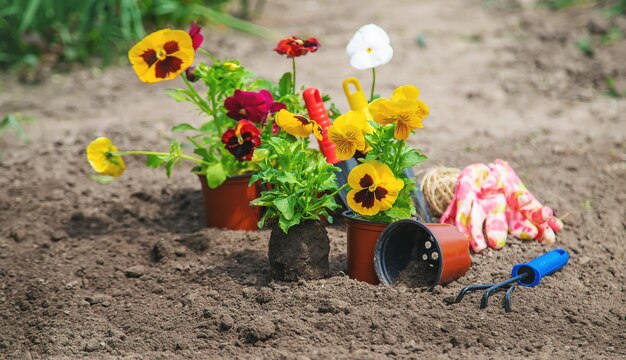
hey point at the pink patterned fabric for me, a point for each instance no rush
(494, 196)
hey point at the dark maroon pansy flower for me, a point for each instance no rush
(250, 105)
(294, 46)
(196, 37)
(190, 75)
(242, 140)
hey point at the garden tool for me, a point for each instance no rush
(358, 102)
(528, 274)
(317, 112)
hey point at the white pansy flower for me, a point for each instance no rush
(369, 47)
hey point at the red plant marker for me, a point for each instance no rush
(317, 112)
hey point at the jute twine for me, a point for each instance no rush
(438, 188)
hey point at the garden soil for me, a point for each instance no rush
(129, 269)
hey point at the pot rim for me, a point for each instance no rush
(349, 214)
(232, 177)
(433, 238)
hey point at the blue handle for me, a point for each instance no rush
(544, 265)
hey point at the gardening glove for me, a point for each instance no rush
(478, 200)
(527, 218)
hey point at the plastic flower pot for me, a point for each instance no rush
(228, 205)
(440, 246)
(362, 236)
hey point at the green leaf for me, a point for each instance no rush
(101, 179)
(154, 161)
(286, 206)
(287, 178)
(183, 127)
(285, 224)
(204, 153)
(169, 165)
(411, 158)
(29, 14)
(285, 84)
(179, 95)
(399, 212)
(261, 84)
(215, 175)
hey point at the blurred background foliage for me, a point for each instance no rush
(52, 34)
(40, 36)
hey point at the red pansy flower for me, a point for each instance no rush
(294, 46)
(196, 37)
(253, 106)
(242, 140)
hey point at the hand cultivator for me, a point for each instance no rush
(528, 274)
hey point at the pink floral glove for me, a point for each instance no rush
(478, 200)
(527, 218)
(492, 196)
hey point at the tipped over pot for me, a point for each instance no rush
(424, 255)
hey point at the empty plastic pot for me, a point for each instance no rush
(439, 247)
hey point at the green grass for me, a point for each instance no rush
(585, 45)
(611, 89)
(12, 121)
(39, 33)
(560, 4)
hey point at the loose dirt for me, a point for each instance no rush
(417, 274)
(129, 270)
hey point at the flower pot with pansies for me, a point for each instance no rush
(237, 111)
(302, 193)
(379, 190)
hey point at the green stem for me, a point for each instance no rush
(333, 194)
(196, 98)
(373, 84)
(207, 53)
(157, 153)
(293, 65)
(399, 144)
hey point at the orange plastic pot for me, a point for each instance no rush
(441, 245)
(362, 236)
(228, 205)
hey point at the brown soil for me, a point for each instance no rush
(129, 269)
(301, 254)
(417, 274)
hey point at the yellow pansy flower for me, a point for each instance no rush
(298, 125)
(407, 116)
(374, 188)
(380, 112)
(403, 109)
(405, 92)
(162, 55)
(101, 159)
(348, 134)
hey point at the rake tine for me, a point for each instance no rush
(507, 299)
(485, 299)
(470, 288)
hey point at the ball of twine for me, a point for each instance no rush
(438, 188)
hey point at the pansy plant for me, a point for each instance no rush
(379, 188)
(238, 109)
(302, 185)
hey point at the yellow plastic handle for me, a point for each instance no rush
(356, 98)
